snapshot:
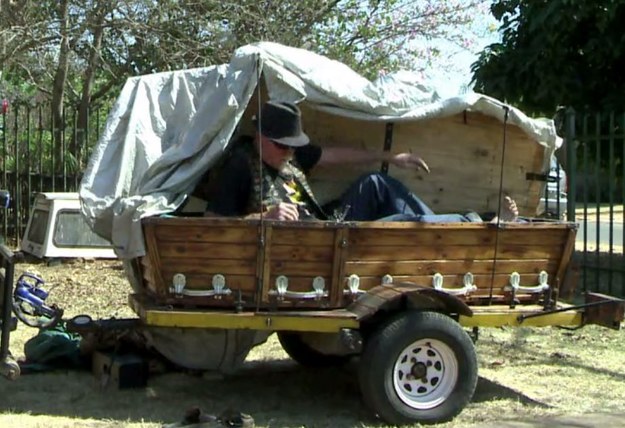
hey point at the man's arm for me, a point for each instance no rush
(346, 155)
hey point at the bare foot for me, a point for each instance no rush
(509, 211)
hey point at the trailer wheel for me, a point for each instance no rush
(418, 367)
(307, 356)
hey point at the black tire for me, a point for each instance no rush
(301, 352)
(411, 344)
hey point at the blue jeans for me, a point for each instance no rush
(380, 197)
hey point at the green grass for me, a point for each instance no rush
(525, 374)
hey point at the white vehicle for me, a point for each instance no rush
(553, 202)
(56, 229)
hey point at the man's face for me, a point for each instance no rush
(275, 154)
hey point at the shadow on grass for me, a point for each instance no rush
(488, 390)
(275, 393)
(557, 355)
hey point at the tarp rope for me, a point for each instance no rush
(500, 194)
(261, 232)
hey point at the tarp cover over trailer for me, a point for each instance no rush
(167, 129)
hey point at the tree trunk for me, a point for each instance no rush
(87, 86)
(58, 88)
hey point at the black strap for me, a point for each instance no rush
(388, 142)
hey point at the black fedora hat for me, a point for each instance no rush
(282, 122)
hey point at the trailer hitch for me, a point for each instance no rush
(600, 309)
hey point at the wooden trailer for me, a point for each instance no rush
(399, 295)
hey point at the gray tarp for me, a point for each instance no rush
(166, 129)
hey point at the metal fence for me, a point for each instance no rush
(595, 149)
(39, 157)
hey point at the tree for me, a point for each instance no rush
(373, 36)
(556, 53)
(79, 52)
(106, 41)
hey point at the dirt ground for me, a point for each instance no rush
(528, 377)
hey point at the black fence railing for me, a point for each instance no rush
(38, 156)
(596, 195)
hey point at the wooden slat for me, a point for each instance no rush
(300, 253)
(428, 237)
(338, 265)
(152, 251)
(265, 263)
(303, 237)
(215, 222)
(452, 252)
(147, 273)
(208, 251)
(145, 262)
(536, 227)
(430, 267)
(569, 247)
(194, 233)
(210, 267)
(298, 268)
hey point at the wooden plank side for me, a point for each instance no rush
(244, 234)
(534, 227)
(429, 237)
(303, 237)
(214, 222)
(299, 268)
(147, 274)
(451, 252)
(209, 267)
(265, 263)
(569, 247)
(300, 253)
(338, 265)
(430, 267)
(178, 250)
(152, 250)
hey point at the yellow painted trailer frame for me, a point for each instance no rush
(334, 321)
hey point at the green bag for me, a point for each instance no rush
(53, 348)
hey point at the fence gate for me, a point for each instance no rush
(36, 157)
(595, 149)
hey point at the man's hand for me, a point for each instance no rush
(409, 161)
(283, 211)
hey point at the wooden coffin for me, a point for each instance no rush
(480, 263)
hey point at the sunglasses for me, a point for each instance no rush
(280, 146)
